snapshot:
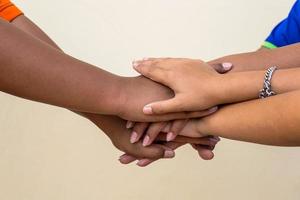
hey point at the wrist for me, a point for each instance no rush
(214, 124)
(120, 95)
(240, 86)
(220, 88)
(203, 126)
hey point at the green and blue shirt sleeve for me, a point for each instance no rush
(287, 31)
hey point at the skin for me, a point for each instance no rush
(218, 88)
(114, 126)
(263, 59)
(237, 121)
(35, 70)
(153, 129)
(270, 121)
(257, 62)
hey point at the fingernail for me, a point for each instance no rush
(217, 138)
(214, 139)
(135, 64)
(129, 124)
(212, 110)
(122, 157)
(141, 163)
(148, 110)
(170, 136)
(133, 138)
(227, 65)
(169, 154)
(146, 141)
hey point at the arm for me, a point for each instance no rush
(35, 70)
(284, 57)
(272, 121)
(113, 126)
(201, 87)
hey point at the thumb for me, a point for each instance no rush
(222, 67)
(163, 107)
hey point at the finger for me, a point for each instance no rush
(152, 132)
(138, 151)
(203, 141)
(153, 71)
(204, 151)
(154, 151)
(205, 154)
(129, 124)
(173, 105)
(140, 61)
(222, 67)
(167, 106)
(146, 162)
(162, 137)
(167, 128)
(182, 115)
(208, 140)
(199, 114)
(126, 159)
(176, 128)
(227, 66)
(138, 131)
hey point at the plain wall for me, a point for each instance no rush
(49, 153)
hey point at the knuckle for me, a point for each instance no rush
(158, 109)
(135, 151)
(156, 63)
(151, 71)
(145, 70)
(170, 74)
(178, 105)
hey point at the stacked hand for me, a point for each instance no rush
(140, 91)
(199, 76)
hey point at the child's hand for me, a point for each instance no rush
(204, 145)
(139, 91)
(196, 84)
(149, 131)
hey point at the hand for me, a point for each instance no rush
(204, 146)
(195, 83)
(114, 128)
(196, 128)
(139, 91)
(150, 131)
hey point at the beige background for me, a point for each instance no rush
(48, 153)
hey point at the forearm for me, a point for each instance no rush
(34, 70)
(243, 86)
(25, 24)
(105, 122)
(272, 121)
(284, 57)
